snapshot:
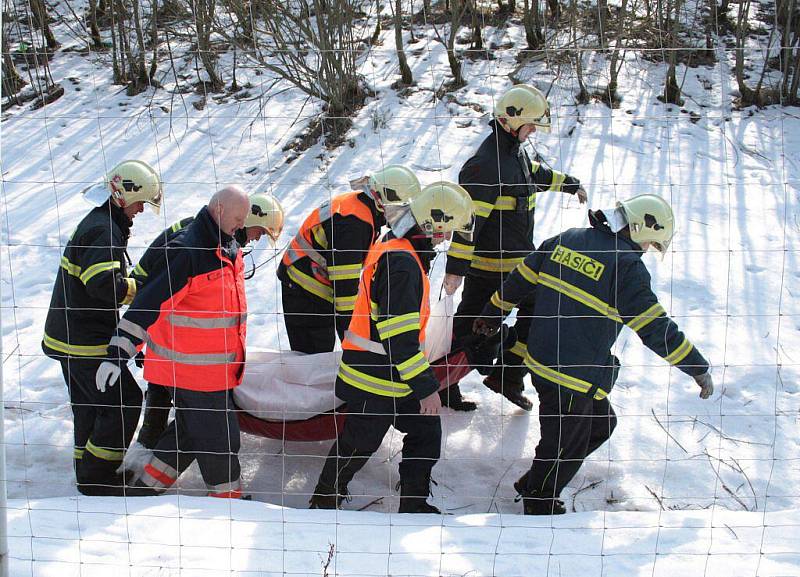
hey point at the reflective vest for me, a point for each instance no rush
(359, 336)
(198, 340)
(302, 245)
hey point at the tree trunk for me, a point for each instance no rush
(405, 72)
(203, 11)
(42, 21)
(555, 9)
(477, 29)
(94, 29)
(12, 82)
(532, 23)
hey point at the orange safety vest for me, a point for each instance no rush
(347, 204)
(198, 340)
(358, 337)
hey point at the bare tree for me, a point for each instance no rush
(11, 80)
(203, 14)
(405, 72)
(42, 20)
(457, 10)
(532, 20)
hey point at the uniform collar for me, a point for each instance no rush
(209, 231)
(377, 215)
(118, 216)
(505, 140)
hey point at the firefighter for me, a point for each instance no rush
(265, 218)
(320, 269)
(503, 183)
(585, 284)
(192, 315)
(91, 284)
(383, 375)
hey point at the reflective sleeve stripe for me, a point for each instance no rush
(556, 377)
(77, 350)
(600, 394)
(345, 304)
(397, 325)
(77, 453)
(131, 293)
(495, 264)
(482, 209)
(224, 488)
(125, 344)
(680, 353)
(104, 454)
(139, 271)
(191, 358)
(344, 271)
(70, 267)
(504, 306)
(324, 212)
(218, 322)
(639, 322)
(579, 295)
(505, 203)
(528, 273)
(458, 250)
(374, 310)
(319, 235)
(520, 349)
(310, 251)
(557, 180)
(535, 166)
(176, 227)
(372, 384)
(97, 268)
(310, 284)
(412, 367)
(532, 201)
(158, 475)
(363, 343)
(132, 329)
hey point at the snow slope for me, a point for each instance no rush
(732, 178)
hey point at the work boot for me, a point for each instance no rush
(451, 397)
(414, 495)
(511, 390)
(536, 503)
(326, 497)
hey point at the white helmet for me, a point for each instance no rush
(650, 219)
(135, 181)
(265, 212)
(394, 184)
(443, 207)
(523, 104)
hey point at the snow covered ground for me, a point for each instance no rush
(683, 487)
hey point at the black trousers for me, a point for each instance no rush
(364, 429)
(310, 321)
(205, 429)
(477, 292)
(104, 423)
(572, 427)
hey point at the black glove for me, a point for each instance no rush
(139, 359)
(571, 185)
(486, 325)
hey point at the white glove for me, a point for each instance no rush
(706, 385)
(107, 375)
(451, 283)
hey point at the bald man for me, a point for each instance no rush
(191, 315)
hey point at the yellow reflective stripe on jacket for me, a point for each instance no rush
(557, 180)
(372, 384)
(176, 226)
(397, 325)
(319, 235)
(639, 322)
(579, 295)
(77, 452)
(131, 293)
(138, 270)
(97, 268)
(504, 306)
(374, 310)
(310, 284)
(482, 209)
(532, 201)
(345, 304)
(505, 203)
(344, 271)
(77, 350)
(70, 267)
(528, 273)
(105, 454)
(495, 264)
(561, 379)
(458, 250)
(535, 164)
(680, 353)
(520, 349)
(412, 367)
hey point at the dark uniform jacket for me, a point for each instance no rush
(343, 241)
(588, 283)
(503, 183)
(155, 253)
(90, 286)
(397, 290)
